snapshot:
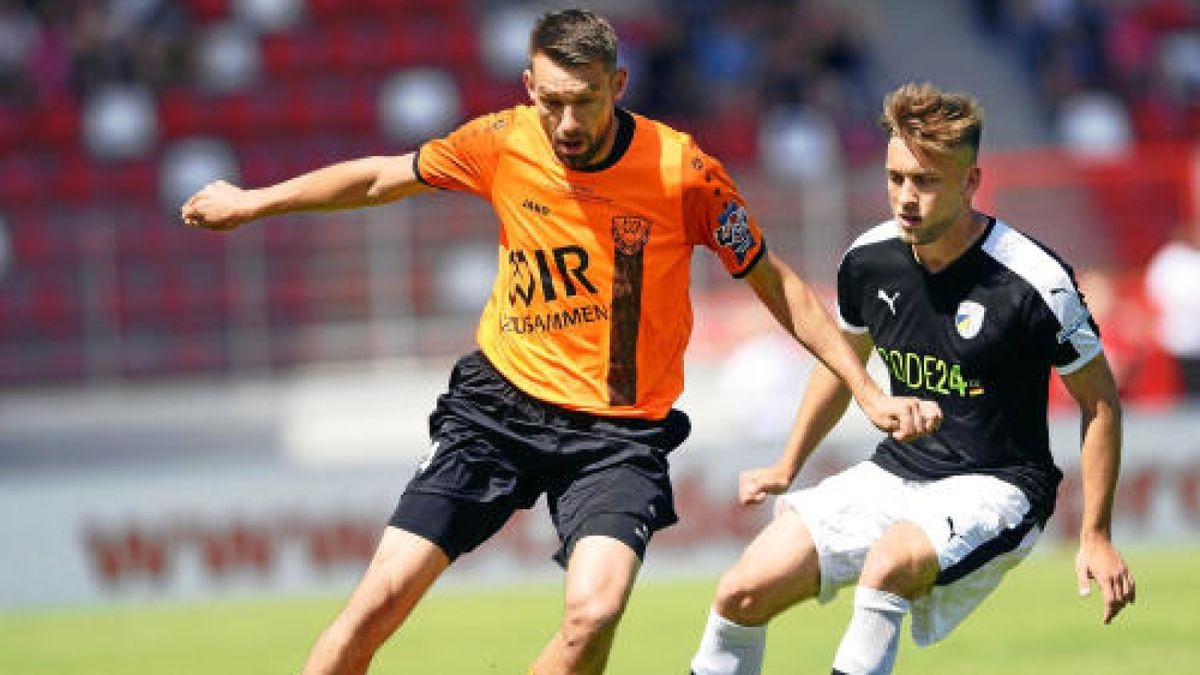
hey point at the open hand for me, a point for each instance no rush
(1099, 561)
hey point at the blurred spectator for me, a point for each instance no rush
(19, 32)
(120, 122)
(269, 16)
(504, 39)
(1143, 58)
(227, 59)
(189, 165)
(419, 103)
(1093, 124)
(5, 249)
(1146, 374)
(799, 145)
(1173, 284)
(762, 407)
(667, 86)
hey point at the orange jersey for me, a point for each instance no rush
(590, 309)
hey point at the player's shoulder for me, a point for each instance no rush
(671, 145)
(500, 123)
(664, 132)
(886, 231)
(1027, 258)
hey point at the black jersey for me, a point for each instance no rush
(979, 337)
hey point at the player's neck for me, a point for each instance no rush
(938, 255)
(604, 156)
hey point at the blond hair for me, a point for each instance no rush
(932, 120)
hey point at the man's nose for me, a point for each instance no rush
(569, 122)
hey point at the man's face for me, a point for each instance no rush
(575, 105)
(928, 192)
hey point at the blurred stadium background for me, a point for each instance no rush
(185, 415)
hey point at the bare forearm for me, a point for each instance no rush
(352, 184)
(811, 324)
(1099, 466)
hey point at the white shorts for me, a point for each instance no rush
(980, 527)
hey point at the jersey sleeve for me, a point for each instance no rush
(716, 216)
(465, 159)
(849, 298)
(1065, 328)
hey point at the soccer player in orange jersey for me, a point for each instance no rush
(580, 347)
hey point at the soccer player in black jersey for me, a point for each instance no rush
(967, 311)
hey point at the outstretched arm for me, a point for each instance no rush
(795, 306)
(1096, 392)
(825, 401)
(356, 183)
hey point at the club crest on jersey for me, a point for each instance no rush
(733, 230)
(630, 234)
(968, 320)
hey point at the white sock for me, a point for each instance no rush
(728, 648)
(869, 645)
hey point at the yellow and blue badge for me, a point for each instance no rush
(968, 320)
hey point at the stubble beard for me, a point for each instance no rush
(582, 160)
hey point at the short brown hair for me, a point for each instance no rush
(575, 37)
(931, 119)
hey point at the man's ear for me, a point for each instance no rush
(527, 79)
(971, 184)
(620, 81)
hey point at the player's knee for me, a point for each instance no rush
(906, 570)
(740, 600)
(589, 615)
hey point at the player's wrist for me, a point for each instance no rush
(1095, 536)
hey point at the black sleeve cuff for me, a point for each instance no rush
(762, 251)
(417, 170)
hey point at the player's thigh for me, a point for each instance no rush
(778, 569)
(903, 561)
(403, 567)
(845, 514)
(971, 518)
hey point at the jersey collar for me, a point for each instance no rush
(625, 124)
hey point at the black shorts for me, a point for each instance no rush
(496, 449)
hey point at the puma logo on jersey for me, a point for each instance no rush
(891, 302)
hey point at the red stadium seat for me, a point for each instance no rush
(208, 11)
(57, 125)
(14, 125)
(76, 179)
(185, 113)
(21, 182)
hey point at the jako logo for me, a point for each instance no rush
(540, 209)
(571, 263)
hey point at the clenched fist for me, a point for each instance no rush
(219, 206)
(906, 418)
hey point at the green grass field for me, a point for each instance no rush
(1034, 624)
